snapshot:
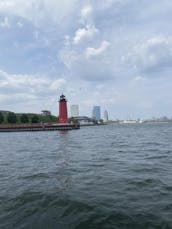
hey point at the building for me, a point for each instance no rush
(105, 118)
(74, 111)
(63, 116)
(84, 120)
(96, 113)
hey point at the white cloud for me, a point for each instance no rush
(86, 15)
(86, 11)
(94, 52)
(85, 33)
(56, 84)
(29, 84)
(29, 93)
(40, 12)
(153, 55)
(91, 52)
(81, 64)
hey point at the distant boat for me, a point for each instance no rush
(131, 121)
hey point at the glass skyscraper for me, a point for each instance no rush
(96, 113)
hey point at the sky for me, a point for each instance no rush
(113, 53)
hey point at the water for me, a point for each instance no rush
(114, 176)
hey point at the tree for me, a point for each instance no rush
(35, 119)
(73, 120)
(1, 118)
(11, 117)
(24, 118)
(46, 113)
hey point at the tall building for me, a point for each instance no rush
(74, 111)
(105, 118)
(96, 113)
(63, 117)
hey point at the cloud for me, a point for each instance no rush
(154, 55)
(85, 33)
(29, 93)
(32, 85)
(86, 11)
(91, 52)
(57, 84)
(40, 12)
(90, 64)
(60, 46)
(86, 15)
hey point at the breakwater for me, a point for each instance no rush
(38, 127)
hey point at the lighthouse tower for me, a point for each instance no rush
(63, 117)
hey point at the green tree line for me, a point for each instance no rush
(12, 118)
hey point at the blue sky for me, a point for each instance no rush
(113, 53)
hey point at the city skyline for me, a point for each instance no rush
(104, 115)
(113, 53)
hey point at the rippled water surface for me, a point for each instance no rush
(114, 176)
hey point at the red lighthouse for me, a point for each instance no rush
(63, 117)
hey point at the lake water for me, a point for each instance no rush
(113, 176)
